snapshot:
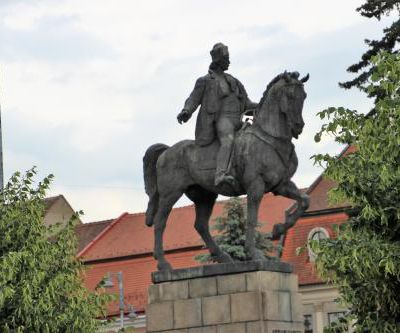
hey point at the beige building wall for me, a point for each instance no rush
(59, 211)
(319, 302)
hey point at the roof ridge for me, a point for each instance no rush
(53, 197)
(101, 234)
(98, 222)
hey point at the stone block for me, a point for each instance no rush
(176, 331)
(255, 327)
(280, 327)
(246, 306)
(153, 293)
(260, 281)
(271, 281)
(205, 329)
(232, 328)
(229, 284)
(221, 269)
(289, 282)
(187, 313)
(216, 310)
(203, 287)
(270, 305)
(297, 307)
(277, 305)
(160, 316)
(284, 305)
(171, 291)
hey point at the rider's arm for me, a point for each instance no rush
(194, 100)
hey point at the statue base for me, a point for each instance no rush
(249, 297)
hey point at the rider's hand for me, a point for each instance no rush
(183, 116)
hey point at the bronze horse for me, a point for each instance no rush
(263, 160)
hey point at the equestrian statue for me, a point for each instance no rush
(229, 157)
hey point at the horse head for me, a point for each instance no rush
(279, 112)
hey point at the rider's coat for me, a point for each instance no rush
(207, 92)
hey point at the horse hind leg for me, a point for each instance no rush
(290, 190)
(164, 208)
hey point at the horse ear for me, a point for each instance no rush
(295, 75)
(305, 78)
(286, 76)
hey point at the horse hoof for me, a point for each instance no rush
(164, 266)
(224, 258)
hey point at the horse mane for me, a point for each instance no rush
(293, 75)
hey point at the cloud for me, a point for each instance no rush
(87, 86)
(53, 39)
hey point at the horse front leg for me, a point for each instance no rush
(290, 190)
(255, 193)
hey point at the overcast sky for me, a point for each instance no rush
(87, 86)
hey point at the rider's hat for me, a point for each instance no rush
(218, 51)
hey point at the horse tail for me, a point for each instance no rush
(150, 179)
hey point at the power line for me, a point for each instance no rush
(105, 187)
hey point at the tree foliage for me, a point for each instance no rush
(391, 36)
(231, 233)
(364, 259)
(41, 280)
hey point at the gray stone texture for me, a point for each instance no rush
(247, 302)
(232, 328)
(203, 287)
(246, 306)
(271, 281)
(292, 327)
(220, 269)
(160, 316)
(187, 313)
(216, 310)
(228, 284)
(173, 291)
(206, 329)
(255, 327)
(296, 304)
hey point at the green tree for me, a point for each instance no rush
(231, 233)
(41, 280)
(364, 260)
(391, 36)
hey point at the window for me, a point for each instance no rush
(334, 316)
(316, 234)
(308, 324)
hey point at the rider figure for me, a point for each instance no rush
(223, 100)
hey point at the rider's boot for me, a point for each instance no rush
(223, 159)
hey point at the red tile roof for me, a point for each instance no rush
(86, 232)
(319, 196)
(128, 235)
(136, 274)
(297, 237)
(319, 189)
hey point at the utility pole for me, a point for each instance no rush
(1, 150)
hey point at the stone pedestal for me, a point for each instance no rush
(251, 297)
